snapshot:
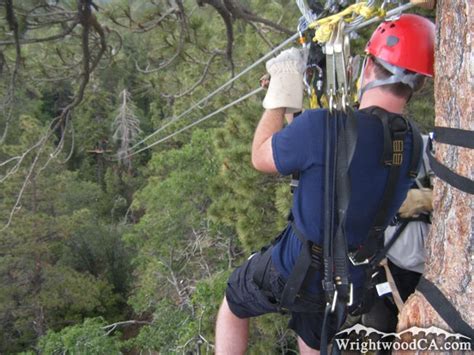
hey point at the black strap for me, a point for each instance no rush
(347, 141)
(329, 198)
(381, 254)
(444, 308)
(422, 217)
(337, 184)
(454, 136)
(392, 157)
(374, 237)
(444, 173)
(417, 150)
(310, 256)
(329, 222)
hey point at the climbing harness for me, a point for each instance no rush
(392, 158)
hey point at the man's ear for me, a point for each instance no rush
(369, 68)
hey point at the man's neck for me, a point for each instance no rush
(382, 99)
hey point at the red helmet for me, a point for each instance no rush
(407, 43)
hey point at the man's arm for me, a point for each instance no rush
(285, 94)
(262, 152)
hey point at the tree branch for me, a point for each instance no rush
(198, 82)
(238, 11)
(228, 22)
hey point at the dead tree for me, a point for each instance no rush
(449, 251)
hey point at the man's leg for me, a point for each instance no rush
(232, 332)
(305, 349)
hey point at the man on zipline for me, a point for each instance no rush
(399, 56)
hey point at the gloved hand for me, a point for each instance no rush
(416, 202)
(286, 83)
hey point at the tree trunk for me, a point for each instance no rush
(449, 251)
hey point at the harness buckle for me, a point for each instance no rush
(294, 183)
(334, 301)
(352, 258)
(351, 295)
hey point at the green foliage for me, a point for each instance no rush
(88, 338)
(173, 234)
(56, 247)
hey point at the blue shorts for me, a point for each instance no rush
(247, 300)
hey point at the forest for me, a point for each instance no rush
(118, 231)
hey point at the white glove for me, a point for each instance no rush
(286, 83)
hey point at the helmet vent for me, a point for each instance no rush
(392, 41)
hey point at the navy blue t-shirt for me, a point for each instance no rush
(300, 147)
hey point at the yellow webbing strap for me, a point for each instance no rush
(313, 100)
(325, 26)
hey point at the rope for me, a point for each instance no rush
(198, 121)
(215, 92)
(390, 13)
(325, 26)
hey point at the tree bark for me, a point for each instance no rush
(449, 251)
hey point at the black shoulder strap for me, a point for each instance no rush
(397, 126)
(417, 150)
(444, 308)
(457, 137)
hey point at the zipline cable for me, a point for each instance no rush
(392, 12)
(223, 108)
(222, 87)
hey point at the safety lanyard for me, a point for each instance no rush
(340, 143)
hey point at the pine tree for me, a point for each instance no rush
(126, 127)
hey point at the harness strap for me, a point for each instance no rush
(381, 254)
(310, 256)
(345, 152)
(454, 136)
(445, 309)
(422, 217)
(457, 137)
(417, 150)
(396, 127)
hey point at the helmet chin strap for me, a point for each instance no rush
(399, 75)
(360, 81)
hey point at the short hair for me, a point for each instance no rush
(397, 89)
